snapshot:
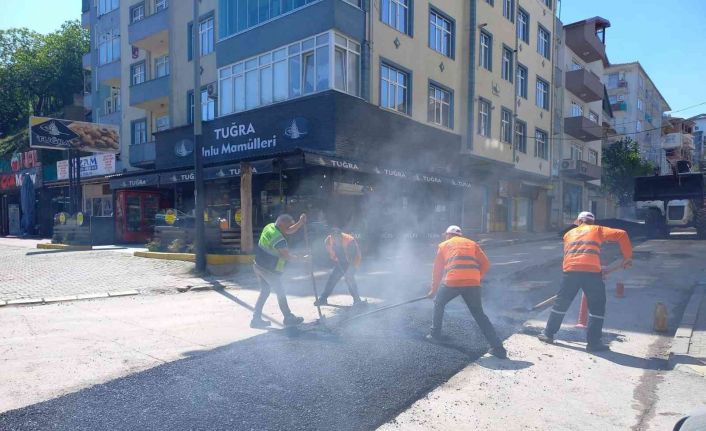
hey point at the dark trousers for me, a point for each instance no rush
(340, 271)
(593, 287)
(269, 281)
(472, 297)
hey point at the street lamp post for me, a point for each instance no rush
(199, 228)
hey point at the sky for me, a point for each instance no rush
(667, 37)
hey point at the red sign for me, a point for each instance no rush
(26, 160)
(7, 181)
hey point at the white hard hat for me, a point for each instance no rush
(586, 215)
(454, 230)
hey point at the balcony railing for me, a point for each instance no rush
(585, 84)
(109, 73)
(151, 32)
(143, 155)
(677, 140)
(620, 106)
(582, 128)
(150, 94)
(581, 170)
(582, 39)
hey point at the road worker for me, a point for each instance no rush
(271, 256)
(582, 270)
(459, 268)
(344, 251)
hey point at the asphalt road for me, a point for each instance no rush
(356, 377)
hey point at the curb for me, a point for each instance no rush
(68, 298)
(679, 352)
(66, 247)
(509, 242)
(211, 259)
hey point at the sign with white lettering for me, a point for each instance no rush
(57, 134)
(91, 166)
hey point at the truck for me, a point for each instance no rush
(672, 201)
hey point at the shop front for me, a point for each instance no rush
(22, 167)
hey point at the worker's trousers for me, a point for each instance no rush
(341, 271)
(472, 297)
(269, 281)
(593, 287)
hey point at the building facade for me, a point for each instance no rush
(354, 111)
(638, 107)
(700, 140)
(678, 149)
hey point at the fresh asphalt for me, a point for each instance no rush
(318, 377)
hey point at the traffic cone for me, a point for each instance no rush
(620, 290)
(661, 317)
(583, 312)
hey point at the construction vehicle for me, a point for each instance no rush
(675, 199)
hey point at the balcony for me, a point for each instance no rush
(582, 128)
(86, 19)
(677, 140)
(86, 61)
(582, 39)
(143, 155)
(580, 170)
(620, 106)
(151, 33)
(109, 74)
(150, 95)
(584, 84)
(114, 118)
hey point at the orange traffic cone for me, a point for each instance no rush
(583, 312)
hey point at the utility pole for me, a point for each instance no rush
(199, 228)
(246, 236)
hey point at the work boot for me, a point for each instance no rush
(545, 338)
(292, 320)
(320, 302)
(498, 352)
(362, 303)
(258, 323)
(597, 347)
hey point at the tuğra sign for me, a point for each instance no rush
(56, 134)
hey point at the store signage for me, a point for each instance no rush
(56, 134)
(91, 166)
(26, 160)
(133, 182)
(14, 180)
(170, 216)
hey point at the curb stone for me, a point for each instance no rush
(68, 298)
(679, 353)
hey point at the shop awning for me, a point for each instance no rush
(370, 168)
(134, 181)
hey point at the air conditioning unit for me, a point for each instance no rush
(212, 90)
(568, 164)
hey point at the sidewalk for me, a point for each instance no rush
(501, 239)
(689, 346)
(563, 387)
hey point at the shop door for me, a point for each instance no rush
(13, 212)
(572, 202)
(520, 215)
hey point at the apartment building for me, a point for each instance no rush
(677, 142)
(700, 140)
(638, 107)
(582, 115)
(350, 110)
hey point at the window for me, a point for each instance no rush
(544, 43)
(509, 9)
(521, 136)
(304, 67)
(208, 106)
(593, 116)
(439, 110)
(394, 92)
(575, 65)
(541, 146)
(236, 16)
(161, 123)
(138, 73)
(105, 6)
(161, 66)
(640, 104)
(139, 132)
(522, 78)
(542, 94)
(613, 80)
(640, 81)
(440, 33)
(576, 152)
(206, 36)
(108, 47)
(548, 3)
(506, 72)
(506, 126)
(137, 13)
(112, 102)
(490, 2)
(486, 50)
(395, 13)
(160, 5)
(484, 117)
(639, 126)
(576, 110)
(593, 157)
(523, 23)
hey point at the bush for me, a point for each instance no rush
(176, 246)
(154, 245)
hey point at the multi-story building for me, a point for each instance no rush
(677, 145)
(360, 113)
(638, 107)
(700, 140)
(581, 115)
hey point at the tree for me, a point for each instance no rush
(39, 74)
(621, 164)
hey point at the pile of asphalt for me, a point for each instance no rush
(354, 378)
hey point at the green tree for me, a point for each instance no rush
(621, 164)
(39, 73)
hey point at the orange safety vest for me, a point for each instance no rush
(582, 247)
(346, 240)
(460, 262)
